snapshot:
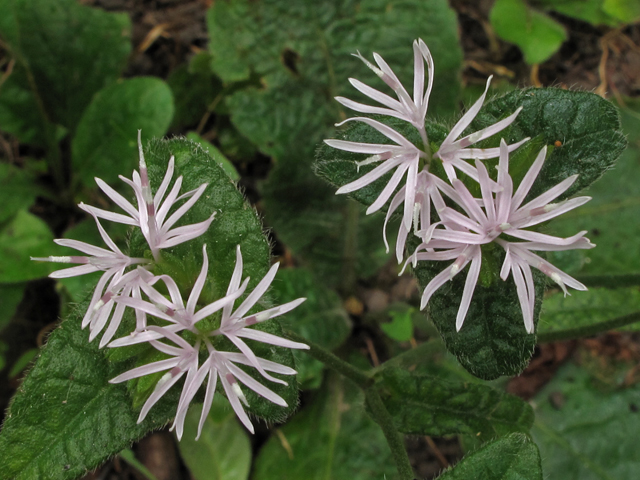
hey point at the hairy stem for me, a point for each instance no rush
(394, 438)
(589, 330)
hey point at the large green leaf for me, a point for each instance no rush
(223, 451)
(105, 142)
(320, 319)
(70, 52)
(537, 35)
(514, 457)
(24, 236)
(427, 405)
(611, 218)
(586, 432)
(301, 65)
(331, 438)
(66, 418)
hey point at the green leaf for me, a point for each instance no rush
(217, 155)
(105, 143)
(514, 457)
(331, 438)
(586, 308)
(611, 217)
(24, 236)
(223, 451)
(624, 10)
(591, 11)
(10, 296)
(77, 51)
(427, 405)
(18, 190)
(585, 126)
(537, 35)
(66, 418)
(320, 319)
(586, 432)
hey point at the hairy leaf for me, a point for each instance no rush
(70, 52)
(428, 405)
(514, 457)
(66, 418)
(105, 142)
(585, 431)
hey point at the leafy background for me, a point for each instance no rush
(253, 82)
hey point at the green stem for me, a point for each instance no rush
(354, 374)
(589, 330)
(372, 398)
(610, 281)
(394, 438)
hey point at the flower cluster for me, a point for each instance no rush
(131, 282)
(464, 223)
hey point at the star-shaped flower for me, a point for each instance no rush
(151, 214)
(408, 109)
(452, 152)
(498, 216)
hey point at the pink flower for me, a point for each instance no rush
(452, 152)
(408, 109)
(151, 214)
(403, 157)
(492, 217)
(174, 311)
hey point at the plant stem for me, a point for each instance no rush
(354, 374)
(372, 398)
(589, 330)
(394, 438)
(610, 281)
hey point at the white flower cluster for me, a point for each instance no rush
(464, 223)
(118, 289)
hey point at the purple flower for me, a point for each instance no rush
(403, 157)
(151, 214)
(496, 214)
(452, 152)
(174, 311)
(113, 263)
(234, 325)
(408, 109)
